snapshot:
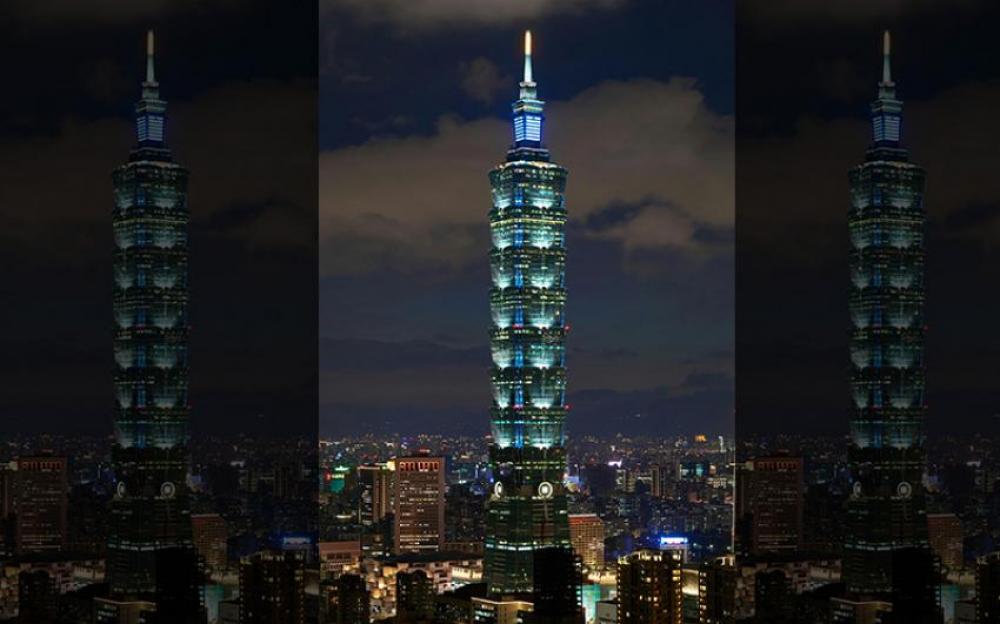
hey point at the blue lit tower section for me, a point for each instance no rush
(886, 509)
(527, 505)
(150, 508)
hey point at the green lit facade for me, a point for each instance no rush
(527, 504)
(887, 221)
(150, 517)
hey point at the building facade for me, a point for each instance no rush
(527, 504)
(42, 490)
(587, 536)
(419, 504)
(770, 504)
(150, 508)
(375, 508)
(887, 222)
(272, 587)
(650, 587)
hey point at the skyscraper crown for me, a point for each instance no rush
(528, 109)
(887, 111)
(150, 111)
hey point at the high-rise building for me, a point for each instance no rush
(769, 504)
(414, 597)
(375, 508)
(272, 588)
(376, 493)
(988, 588)
(527, 504)
(150, 509)
(773, 598)
(419, 504)
(586, 534)
(945, 533)
(42, 491)
(558, 591)
(8, 538)
(717, 591)
(37, 597)
(886, 454)
(352, 600)
(650, 587)
(211, 536)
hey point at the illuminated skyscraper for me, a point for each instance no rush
(41, 503)
(419, 504)
(649, 587)
(150, 519)
(887, 221)
(527, 504)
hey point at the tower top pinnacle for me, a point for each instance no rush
(886, 53)
(150, 48)
(528, 78)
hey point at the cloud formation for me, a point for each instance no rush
(482, 81)
(420, 202)
(422, 14)
(792, 11)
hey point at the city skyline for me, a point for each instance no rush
(500, 312)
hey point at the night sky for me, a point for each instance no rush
(414, 111)
(805, 74)
(239, 78)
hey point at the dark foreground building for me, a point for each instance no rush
(527, 504)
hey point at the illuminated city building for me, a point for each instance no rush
(946, 537)
(769, 505)
(419, 504)
(272, 587)
(587, 536)
(42, 489)
(650, 587)
(527, 503)
(150, 507)
(886, 455)
(414, 597)
(717, 591)
(210, 539)
(375, 508)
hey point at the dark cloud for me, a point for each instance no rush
(409, 15)
(379, 356)
(623, 142)
(482, 80)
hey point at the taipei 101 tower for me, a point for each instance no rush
(151, 558)
(526, 510)
(887, 556)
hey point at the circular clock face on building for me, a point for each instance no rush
(498, 489)
(857, 488)
(904, 489)
(120, 488)
(168, 489)
(545, 489)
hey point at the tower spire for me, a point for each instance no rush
(528, 78)
(886, 53)
(150, 48)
